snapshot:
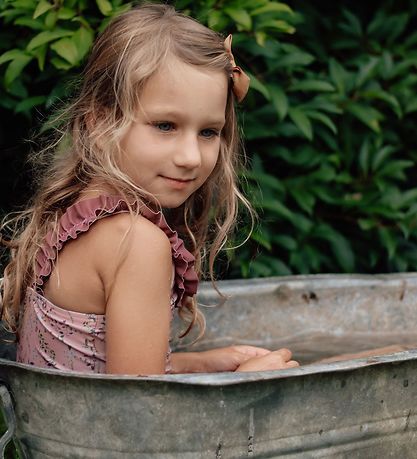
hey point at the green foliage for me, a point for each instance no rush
(330, 129)
(329, 121)
(43, 45)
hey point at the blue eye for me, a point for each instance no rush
(209, 133)
(164, 126)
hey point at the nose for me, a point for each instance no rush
(188, 153)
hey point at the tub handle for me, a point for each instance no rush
(10, 419)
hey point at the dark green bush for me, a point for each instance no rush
(330, 129)
(328, 123)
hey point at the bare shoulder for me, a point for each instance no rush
(126, 228)
(128, 239)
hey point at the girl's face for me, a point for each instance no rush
(173, 145)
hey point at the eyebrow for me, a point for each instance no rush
(161, 114)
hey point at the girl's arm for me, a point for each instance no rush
(137, 282)
(137, 276)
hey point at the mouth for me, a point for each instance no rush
(179, 180)
(178, 183)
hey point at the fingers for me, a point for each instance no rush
(285, 353)
(251, 351)
(276, 360)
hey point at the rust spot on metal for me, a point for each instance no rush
(403, 289)
(407, 421)
(309, 296)
(283, 292)
(219, 451)
(251, 433)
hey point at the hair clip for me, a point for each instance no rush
(240, 79)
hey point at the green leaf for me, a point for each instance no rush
(301, 120)
(279, 100)
(287, 242)
(395, 169)
(277, 208)
(304, 198)
(260, 269)
(25, 4)
(381, 155)
(325, 173)
(11, 55)
(47, 36)
(29, 22)
(18, 89)
(366, 224)
(42, 7)
(411, 106)
(277, 25)
(366, 71)
(266, 180)
(240, 16)
(67, 49)
(338, 75)
(29, 103)
(387, 65)
(352, 24)
(272, 7)
(61, 64)
(261, 239)
(293, 59)
(261, 38)
(312, 85)
(390, 99)
(323, 119)
(105, 7)
(66, 13)
(83, 40)
(258, 86)
(389, 241)
(366, 114)
(364, 156)
(40, 54)
(14, 69)
(51, 19)
(217, 20)
(303, 224)
(341, 248)
(323, 104)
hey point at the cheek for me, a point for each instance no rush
(213, 158)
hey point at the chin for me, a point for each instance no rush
(171, 204)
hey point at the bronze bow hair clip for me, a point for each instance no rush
(240, 79)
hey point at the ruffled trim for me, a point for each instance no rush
(80, 216)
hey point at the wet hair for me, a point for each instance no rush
(85, 147)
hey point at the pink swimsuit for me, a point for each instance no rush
(52, 337)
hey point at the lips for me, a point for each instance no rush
(175, 179)
(177, 183)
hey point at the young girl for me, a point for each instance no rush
(96, 272)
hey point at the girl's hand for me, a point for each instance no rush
(275, 360)
(232, 358)
(229, 358)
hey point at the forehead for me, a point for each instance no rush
(193, 91)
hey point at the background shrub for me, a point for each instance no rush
(329, 122)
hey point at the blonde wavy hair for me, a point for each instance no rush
(86, 147)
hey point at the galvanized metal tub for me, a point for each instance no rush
(361, 408)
